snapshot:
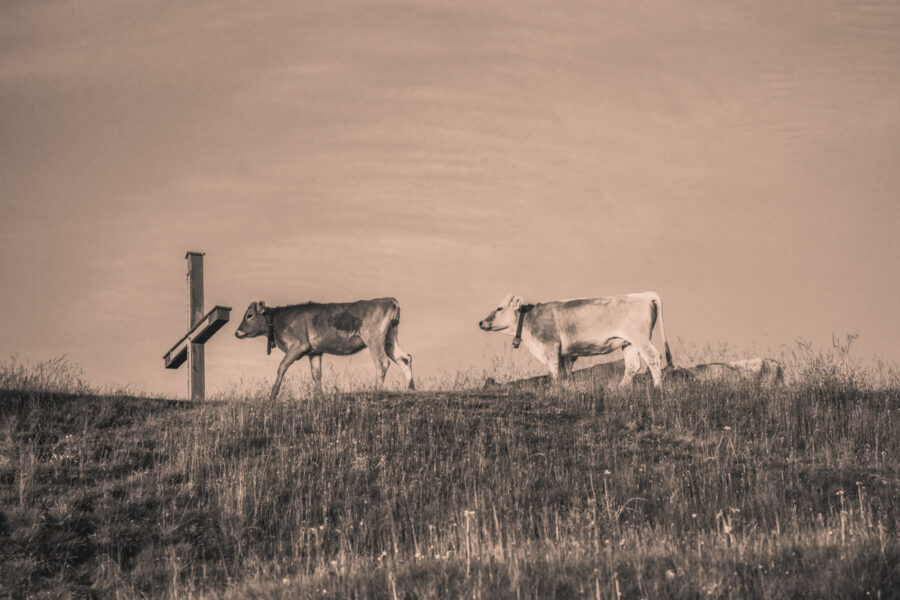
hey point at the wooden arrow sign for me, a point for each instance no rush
(210, 323)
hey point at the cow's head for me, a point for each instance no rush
(504, 316)
(254, 321)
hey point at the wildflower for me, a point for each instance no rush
(727, 428)
(607, 472)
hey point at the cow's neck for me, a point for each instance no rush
(523, 310)
(270, 331)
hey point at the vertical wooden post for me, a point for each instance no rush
(190, 348)
(196, 376)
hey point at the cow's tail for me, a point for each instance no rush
(662, 330)
(394, 312)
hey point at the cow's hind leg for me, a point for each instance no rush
(403, 359)
(632, 364)
(651, 357)
(380, 358)
(315, 369)
(567, 365)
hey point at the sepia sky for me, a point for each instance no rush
(740, 158)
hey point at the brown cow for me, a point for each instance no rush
(343, 328)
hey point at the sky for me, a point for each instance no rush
(740, 159)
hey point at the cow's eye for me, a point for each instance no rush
(499, 308)
(248, 317)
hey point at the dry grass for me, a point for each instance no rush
(718, 491)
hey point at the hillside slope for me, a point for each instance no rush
(566, 492)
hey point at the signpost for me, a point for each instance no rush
(201, 327)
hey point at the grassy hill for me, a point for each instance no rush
(580, 491)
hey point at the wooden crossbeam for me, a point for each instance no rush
(208, 324)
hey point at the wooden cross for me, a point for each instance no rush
(201, 327)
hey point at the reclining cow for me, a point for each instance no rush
(765, 372)
(762, 371)
(314, 329)
(559, 332)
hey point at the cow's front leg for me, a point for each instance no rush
(553, 367)
(547, 354)
(289, 357)
(555, 363)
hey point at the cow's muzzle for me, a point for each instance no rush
(484, 325)
(239, 335)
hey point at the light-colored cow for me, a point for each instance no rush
(559, 332)
(344, 328)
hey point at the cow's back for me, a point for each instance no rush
(715, 372)
(764, 371)
(594, 321)
(346, 327)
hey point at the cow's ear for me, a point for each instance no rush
(515, 302)
(261, 307)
